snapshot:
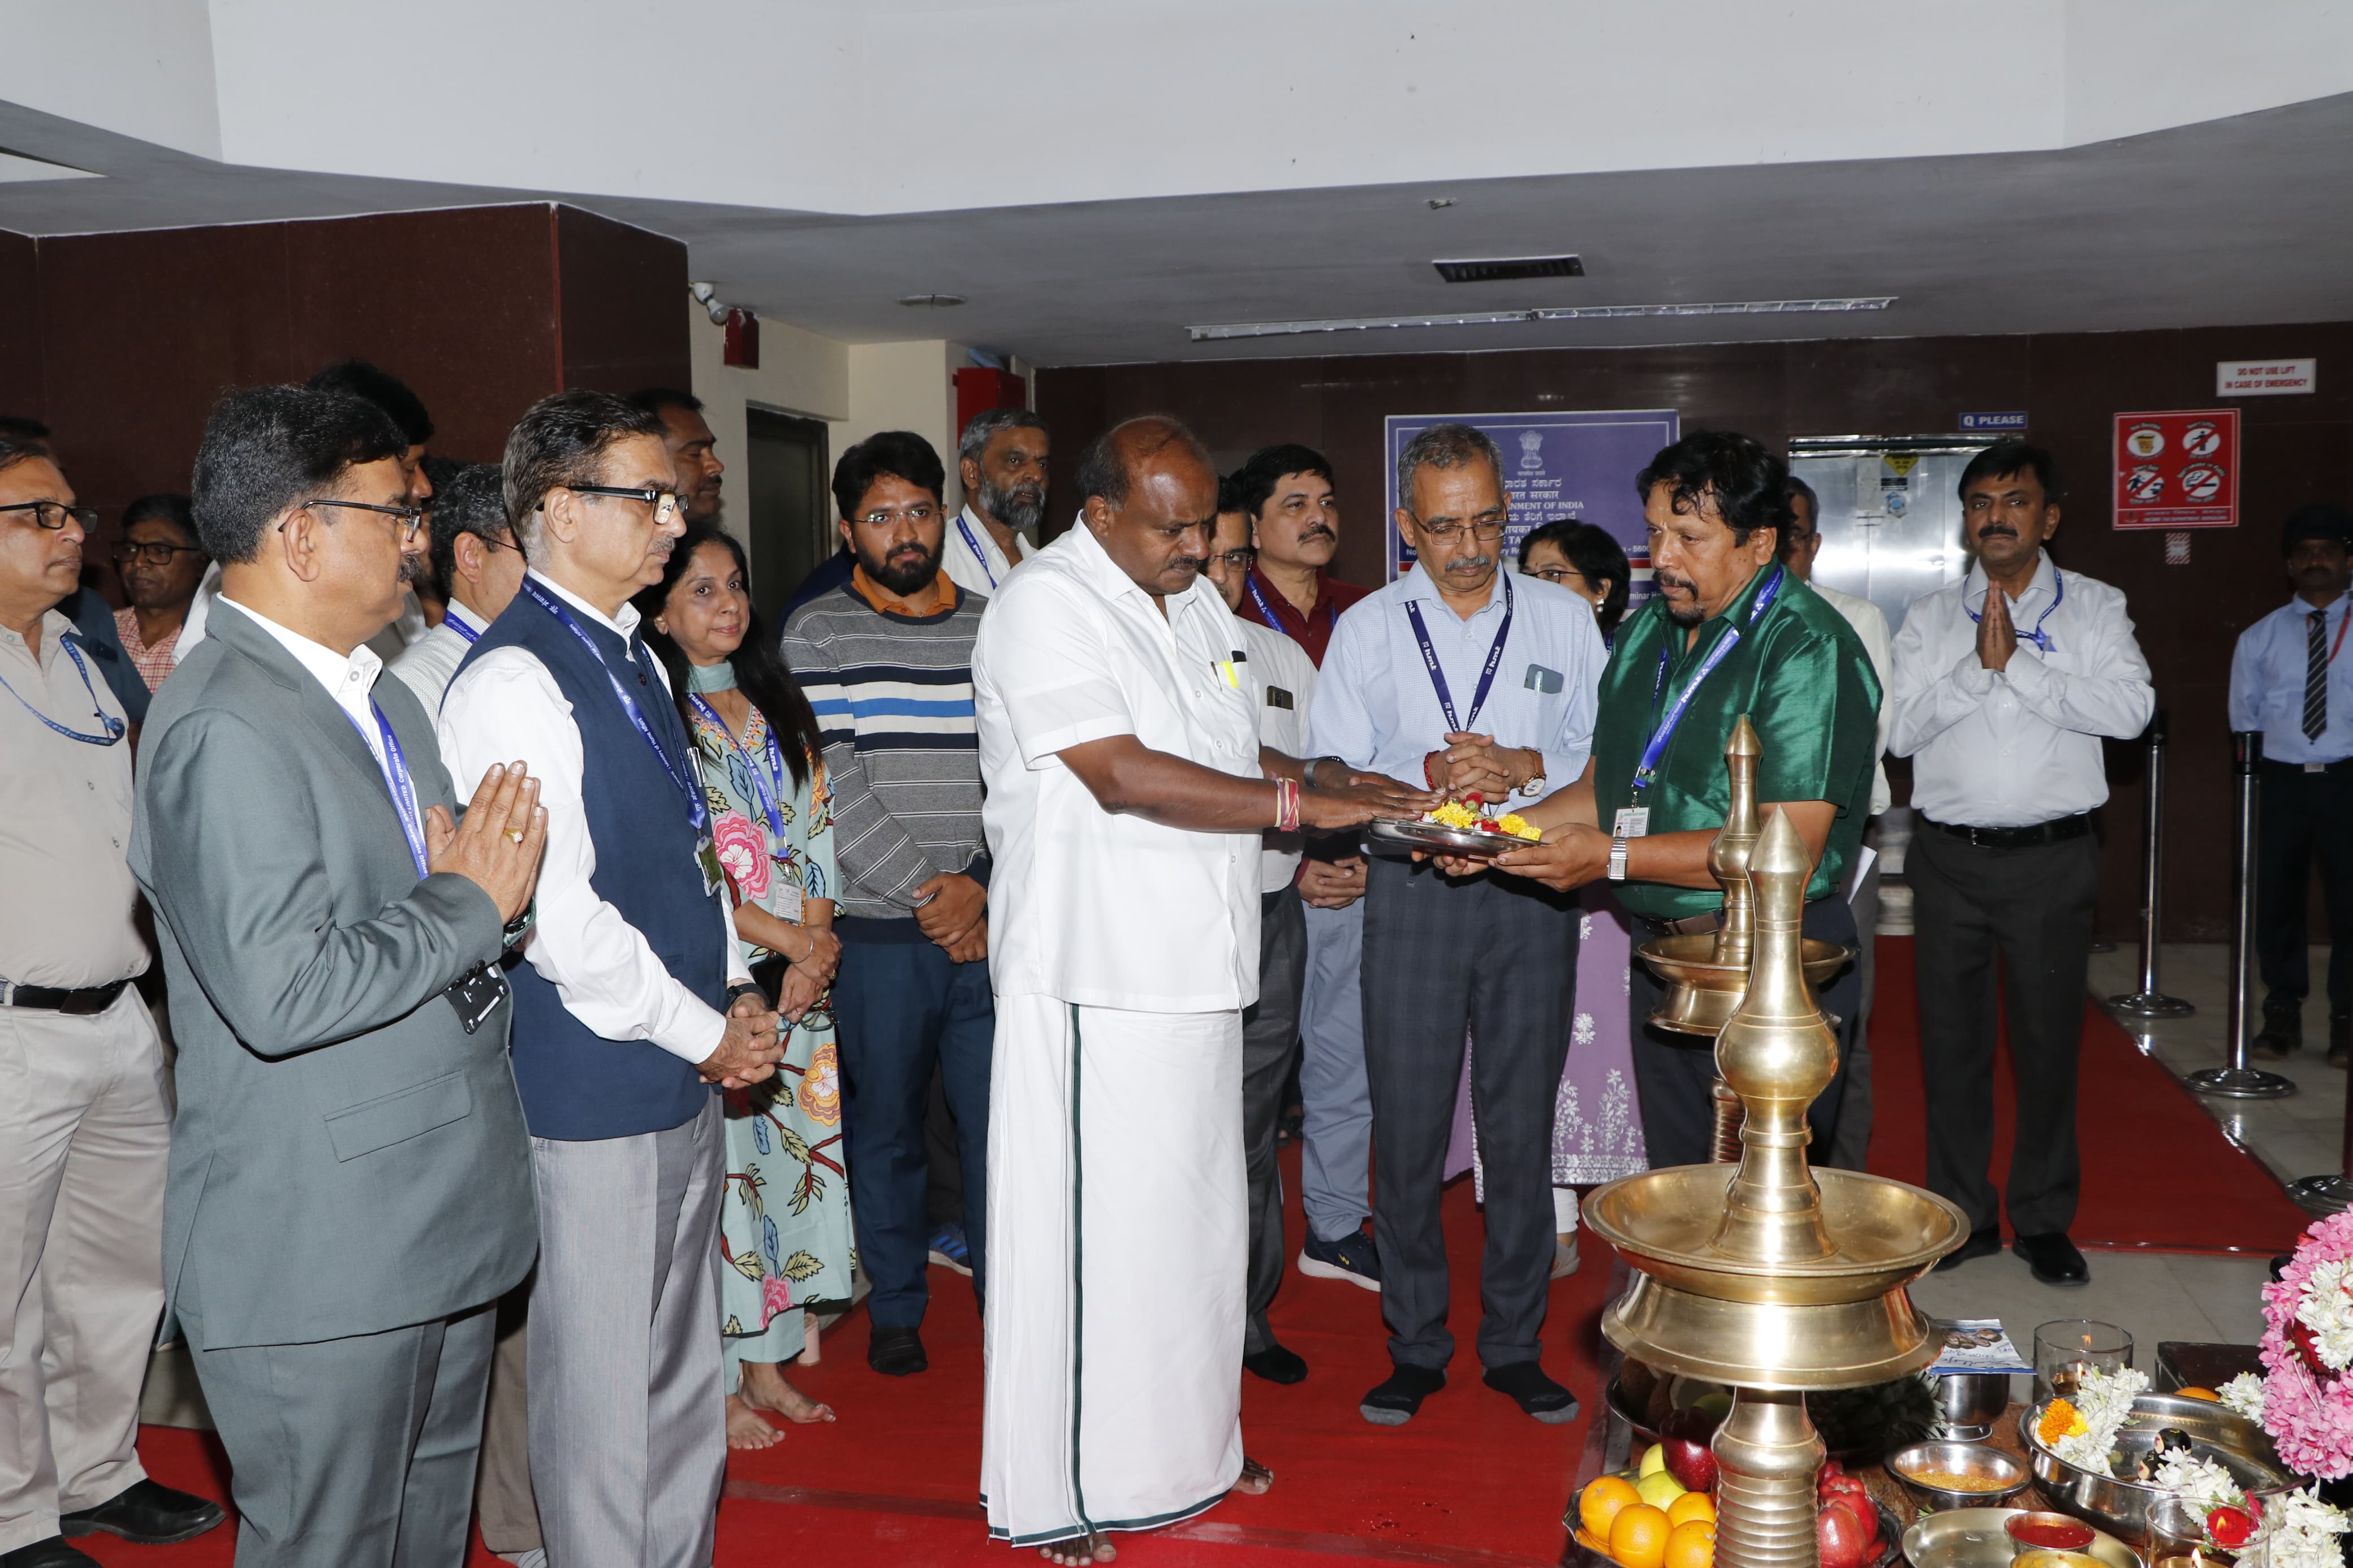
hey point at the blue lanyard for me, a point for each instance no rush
(696, 812)
(1486, 674)
(460, 628)
(978, 553)
(1273, 621)
(771, 789)
(396, 780)
(2037, 637)
(111, 729)
(1648, 767)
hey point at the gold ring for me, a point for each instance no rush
(514, 835)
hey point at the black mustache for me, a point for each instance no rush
(1997, 533)
(1319, 528)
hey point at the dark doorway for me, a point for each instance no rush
(790, 527)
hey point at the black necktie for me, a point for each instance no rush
(2316, 675)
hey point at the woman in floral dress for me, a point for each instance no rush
(785, 1220)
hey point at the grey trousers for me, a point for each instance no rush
(2031, 907)
(1337, 1135)
(629, 1424)
(85, 1132)
(350, 1453)
(1494, 958)
(1270, 1036)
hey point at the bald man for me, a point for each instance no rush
(1127, 790)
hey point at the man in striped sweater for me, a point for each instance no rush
(886, 661)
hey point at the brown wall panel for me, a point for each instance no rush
(623, 295)
(2294, 449)
(21, 392)
(459, 304)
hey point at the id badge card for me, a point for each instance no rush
(790, 903)
(1633, 822)
(476, 995)
(706, 855)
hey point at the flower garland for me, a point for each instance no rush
(2197, 1479)
(2300, 1531)
(2307, 1401)
(2087, 1430)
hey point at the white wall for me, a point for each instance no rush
(1149, 97)
(800, 372)
(904, 386)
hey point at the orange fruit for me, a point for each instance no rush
(1593, 1543)
(2199, 1394)
(1690, 1507)
(1597, 1504)
(1638, 1537)
(1691, 1544)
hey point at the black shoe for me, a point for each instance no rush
(2281, 1034)
(1535, 1394)
(1393, 1402)
(1982, 1244)
(1276, 1365)
(2052, 1258)
(51, 1553)
(896, 1353)
(2341, 1038)
(149, 1513)
(1353, 1258)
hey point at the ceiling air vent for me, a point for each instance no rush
(1497, 268)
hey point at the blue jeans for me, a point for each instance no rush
(901, 1006)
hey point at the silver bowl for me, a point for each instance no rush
(1957, 1458)
(2123, 1507)
(1974, 1538)
(1971, 1402)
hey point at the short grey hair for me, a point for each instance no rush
(988, 423)
(1448, 446)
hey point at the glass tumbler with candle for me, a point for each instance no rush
(2066, 1348)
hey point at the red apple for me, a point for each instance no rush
(1685, 1436)
(1838, 1535)
(1865, 1511)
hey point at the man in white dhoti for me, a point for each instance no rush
(1127, 790)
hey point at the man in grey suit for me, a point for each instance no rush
(350, 1183)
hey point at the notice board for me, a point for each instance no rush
(1578, 464)
(2178, 469)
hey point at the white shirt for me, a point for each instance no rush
(1084, 906)
(972, 558)
(426, 665)
(67, 900)
(409, 626)
(1284, 677)
(2267, 683)
(348, 679)
(1870, 624)
(507, 706)
(2021, 746)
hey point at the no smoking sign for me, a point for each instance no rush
(2178, 469)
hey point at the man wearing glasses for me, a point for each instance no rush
(1481, 682)
(887, 665)
(634, 1005)
(331, 941)
(85, 1130)
(161, 563)
(475, 558)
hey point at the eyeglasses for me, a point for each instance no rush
(497, 543)
(1240, 560)
(406, 520)
(1486, 525)
(153, 551)
(1558, 574)
(52, 514)
(917, 514)
(664, 502)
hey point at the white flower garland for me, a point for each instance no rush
(2244, 1394)
(2327, 1309)
(2104, 1399)
(2302, 1531)
(2198, 1480)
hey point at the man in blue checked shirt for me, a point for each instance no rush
(2287, 680)
(1482, 683)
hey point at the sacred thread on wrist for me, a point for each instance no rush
(1286, 805)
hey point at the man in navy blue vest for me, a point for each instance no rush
(632, 1006)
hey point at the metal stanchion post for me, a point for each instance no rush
(2333, 1190)
(2234, 1078)
(2150, 1001)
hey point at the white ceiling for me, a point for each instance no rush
(2241, 220)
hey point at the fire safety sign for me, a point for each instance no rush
(2178, 469)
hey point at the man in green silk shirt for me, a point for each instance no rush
(1738, 635)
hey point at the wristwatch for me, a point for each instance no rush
(742, 989)
(1535, 780)
(1618, 858)
(1307, 769)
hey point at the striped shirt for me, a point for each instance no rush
(893, 700)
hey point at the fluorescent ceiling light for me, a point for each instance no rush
(1230, 330)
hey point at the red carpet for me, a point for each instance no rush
(2157, 1171)
(1471, 1482)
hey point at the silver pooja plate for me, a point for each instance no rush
(1400, 836)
